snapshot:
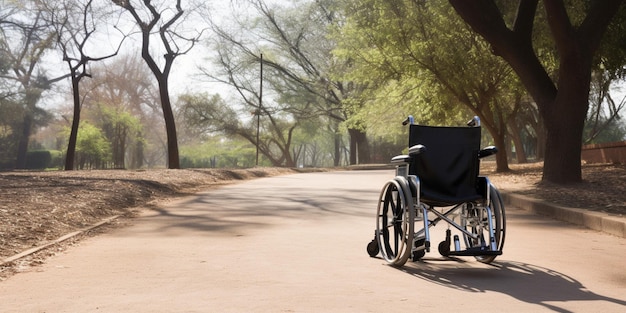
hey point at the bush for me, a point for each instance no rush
(58, 159)
(38, 159)
(7, 164)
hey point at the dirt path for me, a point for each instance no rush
(38, 208)
(296, 243)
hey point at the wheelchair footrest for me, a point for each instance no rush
(476, 251)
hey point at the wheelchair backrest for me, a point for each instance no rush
(448, 169)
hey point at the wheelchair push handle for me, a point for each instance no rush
(416, 149)
(409, 120)
(474, 122)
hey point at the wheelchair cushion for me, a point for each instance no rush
(448, 169)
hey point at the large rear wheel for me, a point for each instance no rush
(475, 219)
(393, 222)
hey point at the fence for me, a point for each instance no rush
(612, 152)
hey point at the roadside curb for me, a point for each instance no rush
(614, 225)
(57, 241)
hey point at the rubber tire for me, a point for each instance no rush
(444, 248)
(393, 214)
(372, 248)
(499, 218)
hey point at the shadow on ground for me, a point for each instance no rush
(507, 277)
(232, 210)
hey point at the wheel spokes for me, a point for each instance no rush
(391, 225)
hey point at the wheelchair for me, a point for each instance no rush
(438, 180)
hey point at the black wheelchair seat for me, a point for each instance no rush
(448, 168)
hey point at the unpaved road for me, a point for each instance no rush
(296, 243)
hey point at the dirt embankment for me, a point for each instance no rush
(39, 207)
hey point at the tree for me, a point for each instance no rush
(604, 109)
(612, 131)
(425, 55)
(297, 51)
(8, 107)
(10, 113)
(93, 150)
(152, 20)
(75, 25)
(26, 37)
(120, 128)
(124, 87)
(212, 114)
(562, 101)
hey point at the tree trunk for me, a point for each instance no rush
(364, 149)
(22, 147)
(353, 147)
(359, 147)
(290, 160)
(499, 138)
(71, 144)
(564, 120)
(119, 149)
(31, 99)
(563, 150)
(502, 161)
(173, 161)
(540, 140)
(137, 154)
(337, 152)
(520, 153)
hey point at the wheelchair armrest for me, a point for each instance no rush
(404, 158)
(400, 159)
(416, 149)
(491, 150)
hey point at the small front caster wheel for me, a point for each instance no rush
(372, 248)
(444, 248)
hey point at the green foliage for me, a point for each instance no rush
(611, 56)
(58, 159)
(207, 113)
(12, 113)
(313, 144)
(10, 117)
(614, 130)
(384, 149)
(120, 127)
(93, 150)
(422, 59)
(120, 121)
(218, 152)
(298, 71)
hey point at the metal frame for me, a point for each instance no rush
(421, 211)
